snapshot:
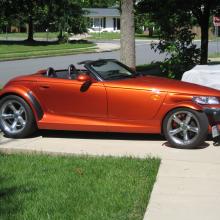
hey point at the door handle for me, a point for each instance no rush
(44, 87)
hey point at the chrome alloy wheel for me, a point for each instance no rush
(183, 127)
(13, 116)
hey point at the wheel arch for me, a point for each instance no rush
(28, 96)
(189, 105)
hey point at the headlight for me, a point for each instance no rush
(211, 100)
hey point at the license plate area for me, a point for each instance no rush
(215, 131)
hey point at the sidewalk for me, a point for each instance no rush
(106, 47)
(188, 182)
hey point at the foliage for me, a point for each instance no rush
(67, 16)
(173, 15)
(202, 10)
(5, 13)
(139, 23)
(99, 3)
(25, 11)
(182, 54)
(176, 37)
(142, 22)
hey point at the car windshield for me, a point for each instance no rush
(112, 70)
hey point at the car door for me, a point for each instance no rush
(131, 104)
(66, 97)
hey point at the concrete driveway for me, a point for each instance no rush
(188, 182)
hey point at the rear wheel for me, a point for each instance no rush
(185, 128)
(16, 117)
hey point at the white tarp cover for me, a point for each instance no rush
(205, 75)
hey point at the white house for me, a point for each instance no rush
(103, 19)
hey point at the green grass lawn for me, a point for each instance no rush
(53, 35)
(104, 36)
(214, 55)
(43, 35)
(71, 187)
(115, 35)
(21, 50)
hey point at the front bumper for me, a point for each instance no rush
(213, 115)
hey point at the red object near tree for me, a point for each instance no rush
(216, 21)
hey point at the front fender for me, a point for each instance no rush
(27, 95)
(187, 104)
(166, 108)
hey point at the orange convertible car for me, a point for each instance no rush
(108, 96)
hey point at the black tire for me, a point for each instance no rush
(181, 134)
(26, 129)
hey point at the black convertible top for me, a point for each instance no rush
(93, 61)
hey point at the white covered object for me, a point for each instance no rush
(205, 75)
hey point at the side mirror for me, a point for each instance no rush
(84, 78)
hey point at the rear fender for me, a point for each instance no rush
(27, 95)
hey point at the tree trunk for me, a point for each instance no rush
(30, 29)
(151, 31)
(127, 52)
(204, 44)
(205, 35)
(60, 35)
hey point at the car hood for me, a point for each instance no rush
(163, 84)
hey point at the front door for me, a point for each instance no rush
(65, 97)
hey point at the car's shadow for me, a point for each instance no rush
(98, 135)
(111, 136)
(203, 146)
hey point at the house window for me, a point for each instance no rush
(91, 23)
(99, 22)
(96, 22)
(104, 22)
(116, 24)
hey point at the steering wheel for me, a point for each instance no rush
(51, 72)
(72, 71)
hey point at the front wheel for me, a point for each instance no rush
(16, 117)
(185, 128)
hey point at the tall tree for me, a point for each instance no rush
(68, 16)
(201, 10)
(26, 11)
(170, 15)
(127, 51)
(65, 15)
(6, 15)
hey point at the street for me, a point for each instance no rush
(144, 55)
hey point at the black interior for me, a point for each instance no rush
(70, 73)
